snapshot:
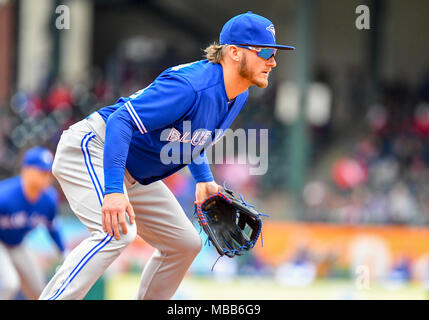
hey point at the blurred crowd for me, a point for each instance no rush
(39, 117)
(382, 177)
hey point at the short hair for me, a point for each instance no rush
(215, 52)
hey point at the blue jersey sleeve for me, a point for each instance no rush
(54, 232)
(3, 203)
(53, 225)
(165, 101)
(200, 169)
(5, 187)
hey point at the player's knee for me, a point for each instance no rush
(191, 245)
(196, 246)
(130, 236)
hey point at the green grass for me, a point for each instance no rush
(125, 286)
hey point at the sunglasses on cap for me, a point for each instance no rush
(264, 53)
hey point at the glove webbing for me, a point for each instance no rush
(203, 218)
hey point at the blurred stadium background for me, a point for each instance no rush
(348, 117)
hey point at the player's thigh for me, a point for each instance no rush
(9, 279)
(161, 220)
(78, 167)
(30, 273)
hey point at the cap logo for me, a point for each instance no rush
(47, 157)
(271, 29)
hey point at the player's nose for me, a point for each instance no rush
(271, 62)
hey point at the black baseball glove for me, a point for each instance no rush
(232, 225)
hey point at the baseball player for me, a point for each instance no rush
(110, 165)
(26, 201)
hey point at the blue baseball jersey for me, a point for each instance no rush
(18, 216)
(181, 113)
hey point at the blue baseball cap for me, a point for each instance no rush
(250, 29)
(38, 157)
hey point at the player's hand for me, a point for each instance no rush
(205, 189)
(113, 213)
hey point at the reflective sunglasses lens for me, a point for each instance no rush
(266, 53)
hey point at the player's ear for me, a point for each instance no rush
(235, 53)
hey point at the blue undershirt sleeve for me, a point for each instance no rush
(56, 236)
(119, 130)
(200, 169)
(53, 222)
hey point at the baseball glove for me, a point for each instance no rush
(232, 225)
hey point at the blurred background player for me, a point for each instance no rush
(26, 201)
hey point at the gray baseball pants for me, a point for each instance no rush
(19, 270)
(160, 221)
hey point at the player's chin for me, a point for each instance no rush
(261, 83)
